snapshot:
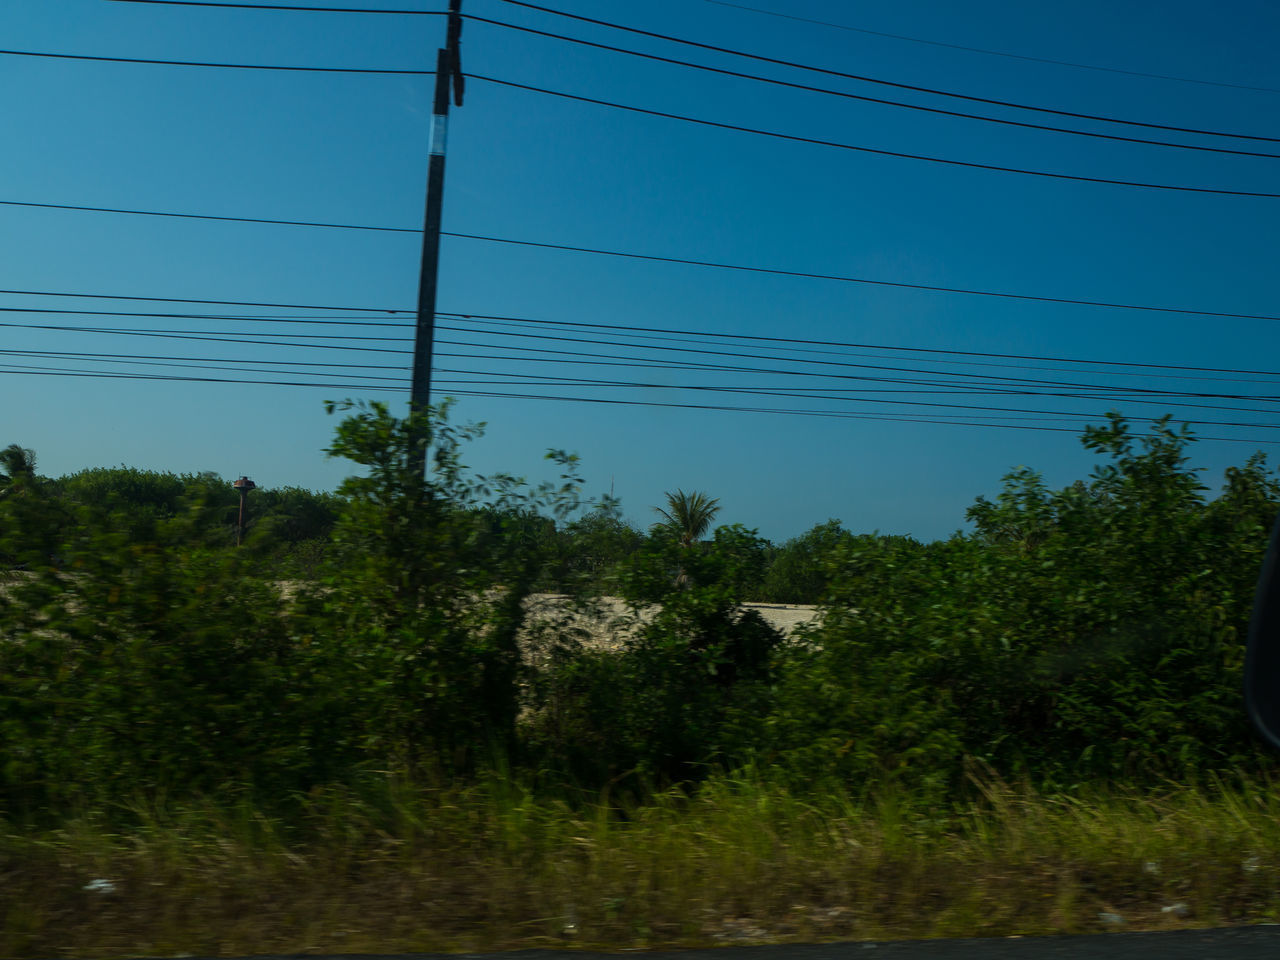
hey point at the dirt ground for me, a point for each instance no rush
(609, 622)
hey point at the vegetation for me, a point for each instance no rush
(689, 515)
(358, 708)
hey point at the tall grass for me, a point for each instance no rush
(497, 866)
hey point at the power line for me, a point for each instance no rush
(946, 388)
(199, 365)
(686, 349)
(212, 336)
(739, 6)
(831, 414)
(865, 346)
(147, 358)
(204, 216)
(227, 303)
(205, 63)
(992, 53)
(1003, 386)
(899, 154)
(793, 138)
(867, 99)
(204, 316)
(807, 275)
(676, 337)
(627, 327)
(888, 83)
(859, 351)
(281, 6)
(56, 371)
(571, 248)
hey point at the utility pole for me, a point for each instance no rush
(448, 77)
(243, 485)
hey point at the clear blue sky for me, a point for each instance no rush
(527, 166)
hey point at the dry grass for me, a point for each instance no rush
(497, 868)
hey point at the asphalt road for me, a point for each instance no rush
(1234, 943)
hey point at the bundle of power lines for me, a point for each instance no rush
(555, 359)
(368, 349)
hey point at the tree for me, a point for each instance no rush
(16, 464)
(689, 515)
(428, 609)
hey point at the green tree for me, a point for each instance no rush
(691, 684)
(32, 519)
(801, 567)
(426, 609)
(688, 515)
(1093, 632)
(16, 465)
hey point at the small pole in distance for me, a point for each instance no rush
(243, 485)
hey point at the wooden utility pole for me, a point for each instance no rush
(243, 486)
(448, 77)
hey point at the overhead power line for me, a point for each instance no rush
(940, 419)
(215, 336)
(63, 372)
(952, 382)
(309, 320)
(630, 255)
(869, 376)
(771, 13)
(281, 6)
(226, 303)
(686, 336)
(882, 82)
(687, 348)
(917, 354)
(670, 330)
(723, 3)
(827, 91)
(409, 72)
(858, 148)
(184, 358)
(838, 278)
(206, 63)
(202, 364)
(991, 53)
(204, 216)
(739, 128)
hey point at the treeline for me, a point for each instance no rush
(1088, 634)
(288, 531)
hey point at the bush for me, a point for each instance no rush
(1094, 632)
(685, 693)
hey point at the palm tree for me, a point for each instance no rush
(688, 515)
(16, 464)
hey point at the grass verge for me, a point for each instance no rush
(496, 867)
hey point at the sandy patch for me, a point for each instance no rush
(608, 622)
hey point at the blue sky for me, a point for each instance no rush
(344, 148)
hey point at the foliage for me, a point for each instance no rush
(16, 464)
(1088, 634)
(688, 515)
(801, 568)
(680, 696)
(431, 597)
(150, 668)
(591, 548)
(1092, 632)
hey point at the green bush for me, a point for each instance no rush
(1090, 633)
(685, 692)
